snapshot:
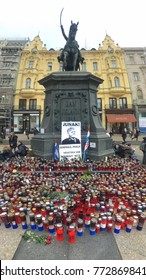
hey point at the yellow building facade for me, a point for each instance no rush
(113, 98)
(114, 95)
(36, 63)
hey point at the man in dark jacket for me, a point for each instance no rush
(13, 141)
(21, 149)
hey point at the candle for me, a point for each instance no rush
(39, 222)
(141, 222)
(80, 223)
(51, 224)
(129, 224)
(23, 220)
(32, 221)
(59, 231)
(93, 226)
(71, 233)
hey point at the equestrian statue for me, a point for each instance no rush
(70, 55)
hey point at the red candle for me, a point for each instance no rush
(59, 232)
(71, 233)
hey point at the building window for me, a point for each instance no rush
(112, 103)
(50, 66)
(61, 66)
(99, 103)
(123, 102)
(95, 66)
(32, 104)
(3, 99)
(117, 82)
(30, 64)
(22, 104)
(28, 83)
(114, 64)
(131, 58)
(143, 59)
(84, 66)
(136, 76)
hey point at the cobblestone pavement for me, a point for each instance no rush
(126, 246)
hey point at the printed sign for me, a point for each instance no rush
(69, 151)
(70, 140)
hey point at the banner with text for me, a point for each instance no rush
(70, 140)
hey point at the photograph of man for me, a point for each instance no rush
(71, 137)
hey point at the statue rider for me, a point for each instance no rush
(71, 55)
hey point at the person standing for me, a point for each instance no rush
(35, 131)
(136, 134)
(143, 149)
(27, 133)
(13, 141)
(124, 134)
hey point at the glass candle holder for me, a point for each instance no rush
(32, 221)
(93, 226)
(141, 222)
(117, 226)
(59, 231)
(103, 223)
(23, 220)
(5, 220)
(11, 217)
(80, 224)
(87, 220)
(71, 233)
(51, 224)
(39, 222)
(129, 224)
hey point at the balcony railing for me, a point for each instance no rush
(26, 108)
(128, 106)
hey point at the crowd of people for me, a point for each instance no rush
(15, 148)
(132, 133)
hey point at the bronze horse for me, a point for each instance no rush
(71, 56)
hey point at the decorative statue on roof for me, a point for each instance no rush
(70, 56)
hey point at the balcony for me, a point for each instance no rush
(119, 110)
(27, 108)
(27, 92)
(117, 91)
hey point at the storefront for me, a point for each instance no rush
(118, 121)
(23, 120)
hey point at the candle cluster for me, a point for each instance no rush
(73, 196)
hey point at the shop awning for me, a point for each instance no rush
(124, 118)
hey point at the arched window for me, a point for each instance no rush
(28, 82)
(117, 82)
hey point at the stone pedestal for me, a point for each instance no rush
(71, 96)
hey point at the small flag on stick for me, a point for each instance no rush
(86, 144)
(56, 150)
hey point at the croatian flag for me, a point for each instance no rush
(86, 144)
(56, 150)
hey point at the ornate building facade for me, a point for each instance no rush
(114, 96)
(10, 53)
(114, 99)
(36, 63)
(135, 60)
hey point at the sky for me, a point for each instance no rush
(124, 21)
